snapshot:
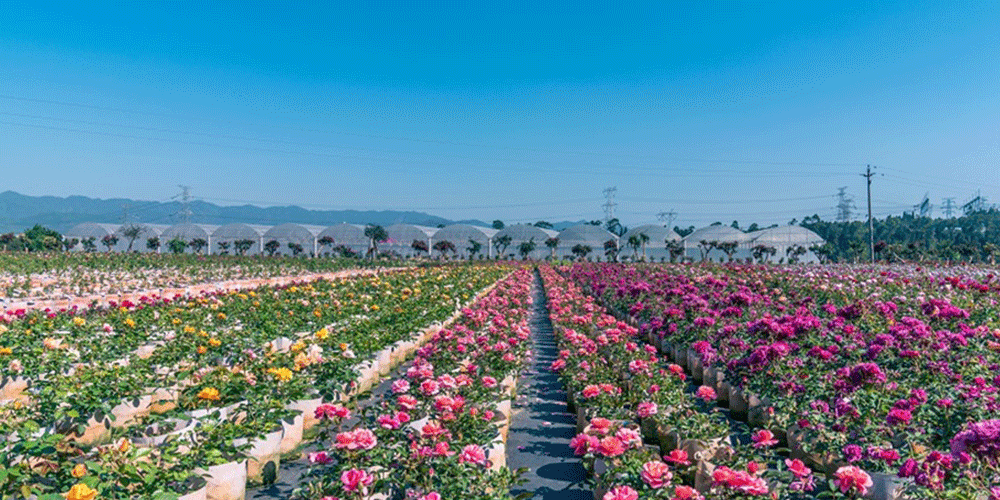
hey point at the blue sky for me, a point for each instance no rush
(515, 110)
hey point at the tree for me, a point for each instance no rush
(243, 246)
(706, 247)
(325, 242)
(526, 247)
(753, 227)
(616, 228)
(763, 253)
(420, 246)
(177, 245)
(224, 247)
(153, 244)
(643, 238)
(109, 240)
(735, 225)
(501, 244)
(474, 247)
(544, 224)
(444, 246)
(823, 252)
(552, 243)
(611, 249)
(40, 238)
(376, 234)
(634, 243)
(132, 233)
(69, 243)
(794, 252)
(581, 250)
(596, 223)
(88, 244)
(498, 225)
(675, 248)
(295, 248)
(728, 248)
(198, 244)
(271, 247)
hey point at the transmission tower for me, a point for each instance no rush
(977, 204)
(185, 196)
(845, 204)
(923, 209)
(948, 205)
(609, 203)
(667, 216)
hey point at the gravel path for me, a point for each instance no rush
(541, 428)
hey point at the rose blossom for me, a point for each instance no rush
(656, 474)
(706, 393)
(763, 439)
(473, 454)
(621, 492)
(356, 479)
(852, 478)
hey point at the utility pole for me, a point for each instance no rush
(871, 225)
(609, 203)
(948, 205)
(667, 216)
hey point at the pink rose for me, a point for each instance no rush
(656, 474)
(356, 480)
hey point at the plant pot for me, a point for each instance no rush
(155, 435)
(887, 486)
(198, 494)
(509, 385)
(707, 450)
(291, 434)
(12, 387)
(648, 428)
(97, 430)
(570, 402)
(581, 419)
(669, 439)
(383, 359)
(738, 404)
(126, 412)
(226, 481)
(695, 365)
(163, 400)
(722, 393)
(264, 457)
(703, 479)
(758, 411)
(709, 376)
(308, 409)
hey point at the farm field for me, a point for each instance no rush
(684, 381)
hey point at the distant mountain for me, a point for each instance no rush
(19, 212)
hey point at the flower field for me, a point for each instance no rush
(151, 399)
(876, 384)
(61, 280)
(685, 382)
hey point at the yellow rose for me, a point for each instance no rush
(322, 334)
(129, 322)
(317, 313)
(81, 491)
(6, 351)
(126, 444)
(214, 342)
(209, 394)
(298, 346)
(202, 349)
(78, 321)
(221, 315)
(282, 374)
(79, 471)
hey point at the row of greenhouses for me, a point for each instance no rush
(650, 242)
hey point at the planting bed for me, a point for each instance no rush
(148, 400)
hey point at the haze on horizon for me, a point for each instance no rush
(515, 111)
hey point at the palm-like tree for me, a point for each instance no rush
(552, 243)
(376, 234)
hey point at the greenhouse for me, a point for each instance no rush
(94, 230)
(292, 239)
(703, 244)
(462, 236)
(655, 246)
(586, 235)
(790, 243)
(349, 236)
(226, 237)
(402, 237)
(522, 233)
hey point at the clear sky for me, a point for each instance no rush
(753, 111)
